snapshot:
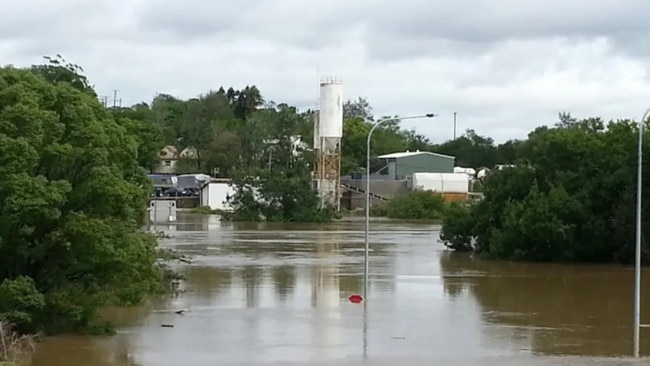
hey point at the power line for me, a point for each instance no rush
(112, 103)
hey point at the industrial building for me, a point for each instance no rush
(403, 165)
(405, 171)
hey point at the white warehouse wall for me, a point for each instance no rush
(441, 182)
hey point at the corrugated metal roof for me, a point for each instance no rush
(412, 153)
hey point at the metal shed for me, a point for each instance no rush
(402, 165)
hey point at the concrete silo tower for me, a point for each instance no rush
(328, 130)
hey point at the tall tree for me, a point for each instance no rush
(139, 123)
(72, 202)
(359, 108)
(58, 70)
(201, 120)
(281, 189)
(246, 101)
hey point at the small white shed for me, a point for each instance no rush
(215, 195)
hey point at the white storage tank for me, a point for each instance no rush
(482, 173)
(469, 171)
(441, 182)
(330, 121)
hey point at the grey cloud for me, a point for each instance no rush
(488, 22)
(387, 47)
(191, 19)
(41, 18)
(42, 27)
(485, 21)
(410, 28)
(305, 24)
(504, 65)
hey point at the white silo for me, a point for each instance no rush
(328, 150)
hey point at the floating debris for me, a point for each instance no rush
(163, 235)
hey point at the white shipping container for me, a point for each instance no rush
(441, 182)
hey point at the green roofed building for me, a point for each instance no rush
(403, 164)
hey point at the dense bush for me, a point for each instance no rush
(457, 226)
(413, 205)
(572, 198)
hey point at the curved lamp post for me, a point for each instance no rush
(367, 230)
(637, 266)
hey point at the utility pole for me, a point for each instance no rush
(454, 125)
(114, 99)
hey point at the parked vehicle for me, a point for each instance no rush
(181, 192)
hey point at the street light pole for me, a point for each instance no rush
(637, 266)
(367, 229)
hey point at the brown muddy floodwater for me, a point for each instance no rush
(277, 295)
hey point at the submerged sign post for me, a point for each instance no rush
(367, 226)
(355, 298)
(637, 267)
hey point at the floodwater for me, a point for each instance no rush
(262, 294)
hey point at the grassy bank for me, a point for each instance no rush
(388, 219)
(379, 215)
(413, 206)
(205, 210)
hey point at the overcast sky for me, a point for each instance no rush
(505, 66)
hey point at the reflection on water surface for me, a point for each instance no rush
(277, 294)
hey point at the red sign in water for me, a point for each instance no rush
(355, 298)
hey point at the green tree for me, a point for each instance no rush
(58, 70)
(138, 122)
(167, 117)
(279, 189)
(359, 108)
(353, 145)
(244, 102)
(72, 201)
(471, 150)
(225, 153)
(572, 200)
(201, 120)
